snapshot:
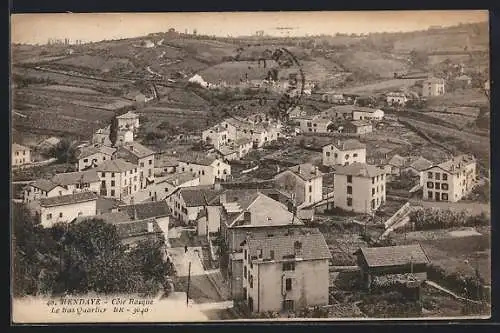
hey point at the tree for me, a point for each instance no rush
(65, 151)
(113, 131)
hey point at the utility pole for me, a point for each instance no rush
(189, 282)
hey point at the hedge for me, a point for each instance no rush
(431, 218)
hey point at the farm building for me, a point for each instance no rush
(358, 127)
(402, 259)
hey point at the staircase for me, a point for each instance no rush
(397, 220)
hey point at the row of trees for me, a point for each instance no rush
(81, 258)
(430, 219)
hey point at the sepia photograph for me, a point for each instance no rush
(250, 166)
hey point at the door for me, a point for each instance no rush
(250, 304)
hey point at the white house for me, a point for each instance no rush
(396, 98)
(128, 121)
(364, 113)
(207, 168)
(143, 157)
(286, 272)
(305, 181)
(359, 127)
(187, 203)
(216, 136)
(119, 179)
(21, 155)
(315, 124)
(359, 187)
(42, 188)
(157, 210)
(79, 181)
(65, 208)
(433, 87)
(450, 180)
(417, 167)
(91, 156)
(344, 152)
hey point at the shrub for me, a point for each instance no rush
(431, 219)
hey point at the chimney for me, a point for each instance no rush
(150, 227)
(247, 217)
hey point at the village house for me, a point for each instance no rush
(65, 208)
(463, 81)
(42, 188)
(286, 272)
(359, 127)
(433, 87)
(260, 133)
(417, 167)
(143, 157)
(364, 113)
(21, 155)
(338, 112)
(128, 121)
(79, 181)
(305, 181)
(216, 136)
(359, 187)
(334, 98)
(91, 156)
(344, 152)
(315, 124)
(49, 143)
(187, 203)
(119, 179)
(101, 136)
(396, 165)
(396, 99)
(379, 261)
(414, 166)
(207, 168)
(450, 180)
(227, 153)
(158, 210)
(244, 212)
(176, 180)
(165, 164)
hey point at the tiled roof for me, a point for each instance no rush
(44, 184)
(306, 171)
(166, 161)
(198, 159)
(435, 80)
(197, 196)
(17, 147)
(129, 114)
(146, 210)
(421, 164)
(359, 123)
(71, 178)
(68, 199)
(394, 255)
(179, 178)
(114, 217)
(398, 161)
(136, 228)
(137, 149)
(359, 170)
(225, 150)
(117, 165)
(91, 150)
(312, 246)
(352, 108)
(105, 205)
(349, 144)
(457, 163)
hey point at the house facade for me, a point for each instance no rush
(119, 179)
(344, 152)
(359, 187)
(128, 121)
(65, 208)
(21, 155)
(216, 136)
(186, 203)
(42, 188)
(450, 180)
(358, 127)
(286, 273)
(396, 99)
(315, 124)
(364, 113)
(433, 87)
(207, 168)
(92, 156)
(305, 181)
(143, 157)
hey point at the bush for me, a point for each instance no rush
(431, 219)
(466, 286)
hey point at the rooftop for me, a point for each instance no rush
(398, 161)
(198, 159)
(309, 242)
(91, 150)
(136, 228)
(359, 123)
(179, 178)
(17, 147)
(196, 196)
(457, 163)
(420, 164)
(71, 178)
(136, 149)
(146, 210)
(352, 108)
(44, 184)
(117, 165)
(393, 255)
(434, 80)
(349, 144)
(69, 199)
(359, 170)
(129, 114)
(306, 171)
(106, 205)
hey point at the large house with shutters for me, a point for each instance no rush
(91, 156)
(286, 272)
(344, 152)
(65, 208)
(143, 157)
(119, 179)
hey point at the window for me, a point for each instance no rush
(310, 188)
(61, 214)
(437, 176)
(103, 174)
(373, 203)
(437, 195)
(444, 196)
(444, 187)
(315, 125)
(113, 174)
(112, 193)
(438, 186)
(49, 216)
(373, 180)
(347, 156)
(251, 281)
(135, 178)
(349, 189)
(309, 124)
(445, 176)
(246, 254)
(86, 160)
(288, 305)
(142, 164)
(288, 284)
(225, 172)
(150, 162)
(355, 155)
(150, 172)
(335, 155)
(429, 175)
(328, 153)
(271, 254)
(349, 179)
(430, 185)
(113, 183)
(381, 188)
(103, 183)
(373, 191)
(288, 266)
(381, 177)
(245, 272)
(349, 202)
